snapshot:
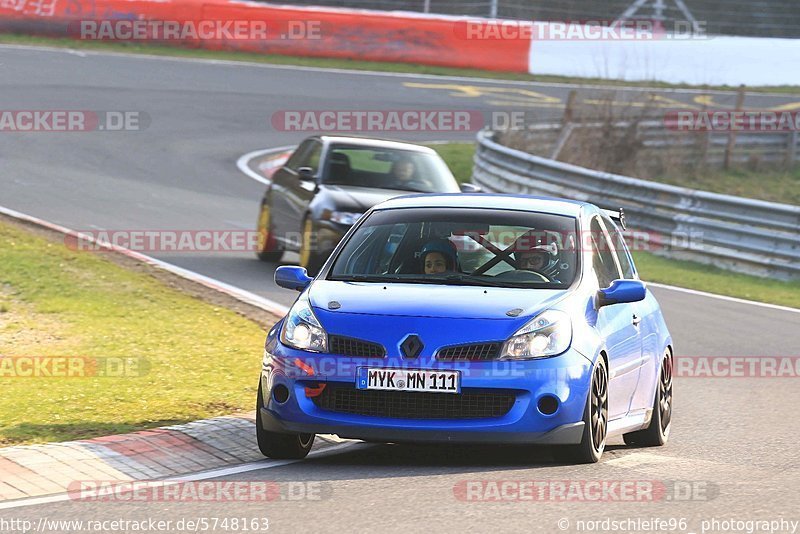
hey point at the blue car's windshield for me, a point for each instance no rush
(464, 246)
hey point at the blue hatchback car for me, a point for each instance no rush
(470, 318)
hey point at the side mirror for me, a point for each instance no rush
(292, 277)
(471, 188)
(306, 174)
(621, 291)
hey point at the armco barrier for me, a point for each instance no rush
(741, 234)
(660, 141)
(342, 33)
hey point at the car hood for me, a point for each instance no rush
(426, 300)
(362, 198)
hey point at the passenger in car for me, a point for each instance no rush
(439, 256)
(404, 175)
(403, 170)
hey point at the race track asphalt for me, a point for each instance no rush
(734, 439)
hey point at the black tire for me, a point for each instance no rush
(268, 247)
(309, 258)
(657, 433)
(280, 446)
(595, 418)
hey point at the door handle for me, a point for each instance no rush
(636, 320)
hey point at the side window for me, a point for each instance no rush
(311, 158)
(298, 156)
(603, 260)
(618, 244)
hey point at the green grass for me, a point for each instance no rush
(776, 186)
(712, 279)
(458, 157)
(364, 160)
(688, 274)
(160, 50)
(201, 361)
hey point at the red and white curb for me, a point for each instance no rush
(260, 165)
(200, 450)
(33, 470)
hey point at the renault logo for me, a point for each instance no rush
(411, 346)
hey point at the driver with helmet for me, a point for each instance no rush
(537, 251)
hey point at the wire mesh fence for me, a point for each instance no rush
(757, 18)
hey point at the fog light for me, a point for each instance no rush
(280, 393)
(548, 405)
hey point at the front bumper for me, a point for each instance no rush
(565, 377)
(566, 434)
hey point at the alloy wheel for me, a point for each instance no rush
(665, 392)
(599, 409)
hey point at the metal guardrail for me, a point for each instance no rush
(687, 148)
(741, 234)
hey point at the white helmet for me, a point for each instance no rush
(542, 244)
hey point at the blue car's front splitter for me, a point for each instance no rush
(546, 400)
(566, 434)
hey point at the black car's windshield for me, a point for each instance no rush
(461, 246)
(388, 168)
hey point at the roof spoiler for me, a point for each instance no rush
(618, 216)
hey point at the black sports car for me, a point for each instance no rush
(329, 182)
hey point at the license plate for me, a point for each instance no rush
(409, 380)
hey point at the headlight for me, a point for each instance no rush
(301, 330)
(344, 217)
(547, 334)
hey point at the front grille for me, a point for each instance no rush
(348, 346)
(414, 405)
(471, 352)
